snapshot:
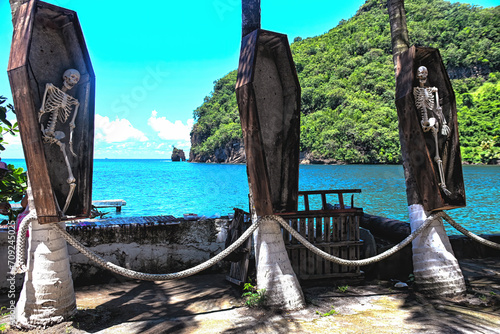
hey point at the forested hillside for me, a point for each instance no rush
(347, 79)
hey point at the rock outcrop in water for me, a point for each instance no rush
(178, 155)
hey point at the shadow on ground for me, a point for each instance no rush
(209, 304)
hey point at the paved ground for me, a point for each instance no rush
(209, 304)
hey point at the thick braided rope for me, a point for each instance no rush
(20, 264)
(362, 262)
(470, 234)
(155, 277)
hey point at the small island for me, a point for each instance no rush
(178, 155)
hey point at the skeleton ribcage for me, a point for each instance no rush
(60, 103)
(421, 100)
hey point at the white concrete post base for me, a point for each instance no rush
(435, 267)
(47, 296)
(274, 271)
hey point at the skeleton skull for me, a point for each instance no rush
(422, 74)
(71, 78)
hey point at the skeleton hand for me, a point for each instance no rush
(445, 130)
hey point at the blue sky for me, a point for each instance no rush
(154, 65)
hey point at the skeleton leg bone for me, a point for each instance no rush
(71, 179)
(438, 161)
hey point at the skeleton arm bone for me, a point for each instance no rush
(72, 126)
(42, 111)
(445, 130)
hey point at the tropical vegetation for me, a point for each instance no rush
(13, 182)
(347, 79)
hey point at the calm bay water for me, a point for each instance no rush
(162, 187)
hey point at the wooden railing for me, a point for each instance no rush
(333, 229)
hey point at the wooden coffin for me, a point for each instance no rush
(47, 41)
(418, 147)
(268, 95)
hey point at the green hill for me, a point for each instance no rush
(347, 80)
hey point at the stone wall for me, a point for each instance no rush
(162, 248)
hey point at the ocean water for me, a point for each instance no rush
(163, 187)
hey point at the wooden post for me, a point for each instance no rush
(435, 268)
(399, 31)
(14, 6)
(250, 16)
(268, 95)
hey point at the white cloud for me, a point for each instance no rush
(119, 130)
(170, 131)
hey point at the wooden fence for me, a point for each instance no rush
(333, 229)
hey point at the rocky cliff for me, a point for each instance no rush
(233, 152)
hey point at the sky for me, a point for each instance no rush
(155, 64)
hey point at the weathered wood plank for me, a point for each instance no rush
(33, 148)
(338, 244)
(327, 232)
(268, 96)
(295, 226)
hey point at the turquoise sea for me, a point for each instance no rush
(163, 187)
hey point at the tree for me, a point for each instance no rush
(47, 296)
(274, 270)
(435, 268)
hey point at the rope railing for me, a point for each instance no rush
(20, 265)
(362, 262)
(469, 233)
(156, 277)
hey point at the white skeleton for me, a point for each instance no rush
(59, 105)
(427, 102)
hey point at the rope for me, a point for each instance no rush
(362, 262)
(470, 234)
(20, 264)
(156, 277)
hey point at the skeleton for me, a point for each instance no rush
(427, 102)
(59, 105)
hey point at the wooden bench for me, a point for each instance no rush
(110, 203)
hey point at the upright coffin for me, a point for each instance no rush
(268, 95)
(420, 148)
(47, 41)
